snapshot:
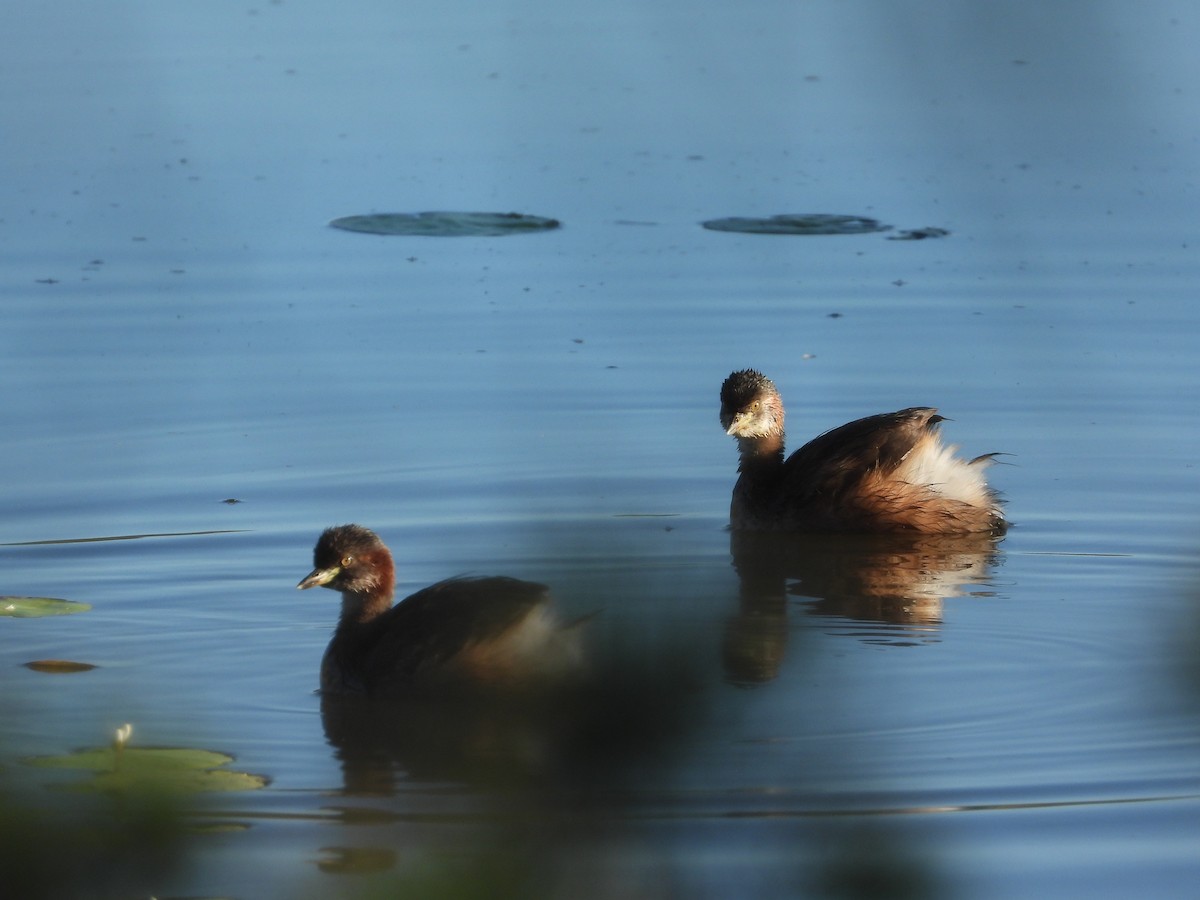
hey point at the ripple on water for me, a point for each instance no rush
(984, 704)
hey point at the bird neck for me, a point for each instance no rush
(368, 593)
(760, 454)
(360, 607)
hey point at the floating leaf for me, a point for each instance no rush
(176, 770)
(799, 223)
(34, 607)
(918, 234)
(356, 860)
(446, 224)
(58, 666)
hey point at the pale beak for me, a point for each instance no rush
(318, 578)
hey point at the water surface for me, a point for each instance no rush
(183, 329)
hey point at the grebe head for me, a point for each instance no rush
(750, 405)
(351, 559)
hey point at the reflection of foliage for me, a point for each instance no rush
(630, 712)
(866, 861)
(121, 833)
(96, 846)
(1189, 653)
(505, 871)
(554, 774)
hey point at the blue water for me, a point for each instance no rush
(182, 328)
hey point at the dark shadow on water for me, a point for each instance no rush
(895, 580)
(629, 714)
(512, 796)
(577, 793)
(58, 843)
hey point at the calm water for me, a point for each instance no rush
(182, 328)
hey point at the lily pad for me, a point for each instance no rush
(919, 234)
(58, 666)
(798, 223)
(35, 607)
(356, 860)
(169, 769)
(446, 224)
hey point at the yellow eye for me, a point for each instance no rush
(347, 560)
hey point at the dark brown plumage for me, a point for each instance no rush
(488, 633)
(884, 473)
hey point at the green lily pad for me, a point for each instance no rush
(798, 223)
(446, 224)
(168, 769)
(35, 607)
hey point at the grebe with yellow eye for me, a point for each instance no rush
(471, 634)
(884, 473)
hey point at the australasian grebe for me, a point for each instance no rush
(884, 473)
(466, 633)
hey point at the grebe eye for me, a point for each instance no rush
(346, 561)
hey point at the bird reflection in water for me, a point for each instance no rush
(897, 580)
(591, 733)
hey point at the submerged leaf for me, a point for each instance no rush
(177, 770)
(34, 607)
(798, 223)
(446, 224)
